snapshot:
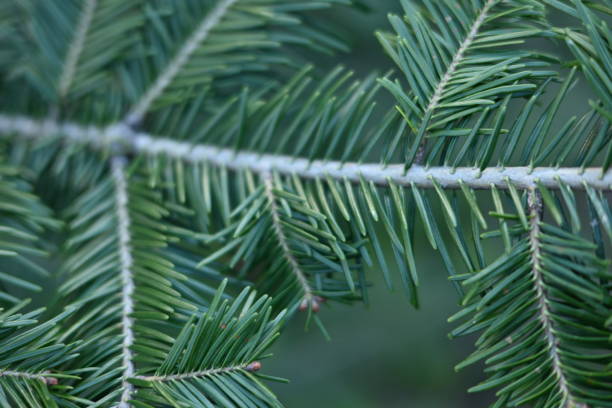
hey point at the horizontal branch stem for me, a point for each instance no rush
(195, 374)
(23, 374)
(123, 137)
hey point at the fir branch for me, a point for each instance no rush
(33, 357)
(127, 322)
(69, 47)
(288, 220)
(448, 75)
(101, 138)
(455, 72)
(176, 64)
(195, 374)
(214, 356)
(76, 47)
(282, 240)
(530, 305)
(437, 95)
(535, 212)
(26, 375)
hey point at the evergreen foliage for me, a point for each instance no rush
(176, 182)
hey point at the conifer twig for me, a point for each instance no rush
(199, 374)
(125, 253)
(178, 62)
(452, 68)
(76, 47)
(552, 342)
(282, 240)
(122, 137)
(22, 374)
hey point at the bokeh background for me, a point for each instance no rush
(386, 354)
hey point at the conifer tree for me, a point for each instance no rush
(176, 182)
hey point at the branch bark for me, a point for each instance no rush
(125, 140)
(125, 253)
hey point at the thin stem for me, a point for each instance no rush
(21, 374)
(195, 374)
(126, 140)
(125, 253)
(552, 342)
(452, 68)
(76, 47)
(179, 61)
(282, 239)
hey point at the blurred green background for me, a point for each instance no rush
(387, 354)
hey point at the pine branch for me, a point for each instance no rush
(31, 359)
(288, 187)
(22, 374)
(178, 61)
(193, 375)
(458, 57)
(535, 214)
(530, 306)
(127, 287)
(202, 46)
(452, 68)
(282, 240)
(449, 55)
(70, 47)
(76, 47)
(215, 357)
(448, 177)
(121, 281)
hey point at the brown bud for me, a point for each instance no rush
(51, 381)
(254, 366)
(315, 306)
(304, 305)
